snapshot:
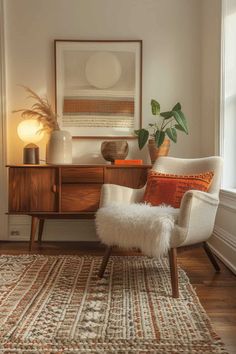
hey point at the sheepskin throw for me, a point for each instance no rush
(137, 225)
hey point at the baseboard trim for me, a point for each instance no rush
(229, 264)
(54, 230)
(226, 236)
(227, 240)
(228, 200)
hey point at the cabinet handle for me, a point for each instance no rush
(54, 188)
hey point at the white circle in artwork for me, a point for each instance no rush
(103, 70)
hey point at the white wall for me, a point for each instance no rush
(170, 31)
(3, 171)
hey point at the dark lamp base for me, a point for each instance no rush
(31, 154)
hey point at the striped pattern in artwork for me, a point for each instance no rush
(98, 112)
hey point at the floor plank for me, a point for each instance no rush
(216, 291)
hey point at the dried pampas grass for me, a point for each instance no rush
(41, 111)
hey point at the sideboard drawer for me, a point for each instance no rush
(132, 177)
(82, 174)
(80, 197)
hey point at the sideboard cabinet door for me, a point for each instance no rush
(32, 189)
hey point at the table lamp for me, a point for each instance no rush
(30, 131)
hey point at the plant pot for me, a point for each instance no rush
(155, 152)
(59, 148)
(114, 150)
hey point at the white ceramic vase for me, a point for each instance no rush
(59, 148)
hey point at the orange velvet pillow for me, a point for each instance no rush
(169, 189)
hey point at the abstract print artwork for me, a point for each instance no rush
(98, 87)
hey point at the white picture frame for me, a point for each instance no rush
(98, 87)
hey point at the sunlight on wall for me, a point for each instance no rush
(229, 93)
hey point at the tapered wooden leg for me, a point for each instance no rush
(34, 222)
(104, 261)
(40, 233)
(211, 257)
(174, 272)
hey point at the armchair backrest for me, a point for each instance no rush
(179, 166)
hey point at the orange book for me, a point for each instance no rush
(128, 162)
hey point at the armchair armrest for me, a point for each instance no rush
(211, 199)
(196, 217)
(115, 194)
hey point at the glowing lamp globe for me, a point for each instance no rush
(30, 131)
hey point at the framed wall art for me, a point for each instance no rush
(98, 87)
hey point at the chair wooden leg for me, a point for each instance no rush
(174, 272)
(40, 232)
(34, 222)
(211, 257)
(104, 261)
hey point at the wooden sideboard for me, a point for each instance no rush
(64, 191)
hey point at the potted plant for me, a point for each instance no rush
(59, 146)
(164, 128)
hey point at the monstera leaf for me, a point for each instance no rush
(143, 135)
(159, 138)
(172, 134)
(155, 107)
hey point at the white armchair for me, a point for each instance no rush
(197, 210)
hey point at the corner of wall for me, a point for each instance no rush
(3, 145)
(210, 76)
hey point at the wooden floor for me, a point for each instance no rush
(217, 292)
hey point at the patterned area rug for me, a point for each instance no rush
(56, 304)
